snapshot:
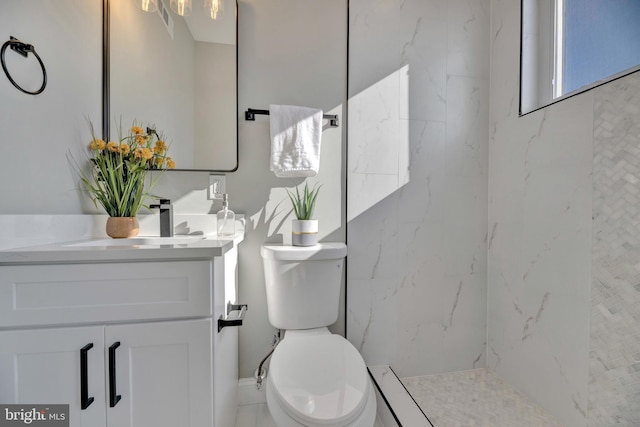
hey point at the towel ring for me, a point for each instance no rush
(23, 49)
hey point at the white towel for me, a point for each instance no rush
(295, 140)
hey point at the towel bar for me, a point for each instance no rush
(251, 112)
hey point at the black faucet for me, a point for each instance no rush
(166, 217)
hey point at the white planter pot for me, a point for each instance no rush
(304, 232)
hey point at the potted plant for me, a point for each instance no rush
(304, 228)
(118, 172)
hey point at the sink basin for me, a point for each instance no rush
(141, 241)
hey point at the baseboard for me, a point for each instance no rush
(248, 393)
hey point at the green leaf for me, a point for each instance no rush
(304, 204)
(116, 180)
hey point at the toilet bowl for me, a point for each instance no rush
(317, 378)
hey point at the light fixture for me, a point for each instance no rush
(181, 7)
(147, 5)
(215, 8)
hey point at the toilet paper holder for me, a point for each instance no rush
(230, 319)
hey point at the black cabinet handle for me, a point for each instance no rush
(114, 397)
(85, 400)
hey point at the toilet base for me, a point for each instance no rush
(366, 419)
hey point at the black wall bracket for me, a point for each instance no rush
(233, 320)
(250, 115)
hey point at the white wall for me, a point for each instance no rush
(291, 52)
(276, 66)
(37, 131)
(563, 263)
(539, 243)
(417, 176)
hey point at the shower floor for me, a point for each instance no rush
(475, 398)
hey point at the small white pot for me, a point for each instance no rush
(304, 232)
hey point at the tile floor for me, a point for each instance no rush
(458, 399)
(254, 415)
(475, 398)
(257, 415)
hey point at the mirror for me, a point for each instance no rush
(179, 75)
(570, 46)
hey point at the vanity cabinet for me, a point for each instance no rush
(125, 344)
(43, 366)
(159, 367)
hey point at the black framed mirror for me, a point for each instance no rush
(177, 74)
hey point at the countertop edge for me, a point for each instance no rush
(61, 253)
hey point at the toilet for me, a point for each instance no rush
(315, 378)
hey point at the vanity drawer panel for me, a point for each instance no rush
(78, 293)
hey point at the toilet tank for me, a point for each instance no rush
(303, 284)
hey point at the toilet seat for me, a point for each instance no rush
(318, 378)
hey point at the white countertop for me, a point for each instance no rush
(195, 245)
(78, 251)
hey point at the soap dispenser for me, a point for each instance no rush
(226, 219)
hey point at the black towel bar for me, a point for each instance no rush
(250, 115)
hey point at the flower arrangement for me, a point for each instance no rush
(119, 169)
(305, 203)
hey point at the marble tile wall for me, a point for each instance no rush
(614, 376)
(417, 183)
(561, 287)
(539, 244)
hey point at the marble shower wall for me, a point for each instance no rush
(539, 246)
(614, 376)
(417, 183)
(561, 287)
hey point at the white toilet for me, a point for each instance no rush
(315, 378)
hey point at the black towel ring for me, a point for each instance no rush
(23, 49)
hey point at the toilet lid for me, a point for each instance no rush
(319, 379)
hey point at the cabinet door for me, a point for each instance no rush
(162, 373)
(44, 366)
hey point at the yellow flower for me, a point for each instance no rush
(117, 181)
(143, 153)
(97, 144)
(160, 147)
(170, 163)
(113, 147)
(147, 153)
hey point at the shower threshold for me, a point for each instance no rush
(396, 407)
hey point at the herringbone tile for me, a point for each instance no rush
(614, 377)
